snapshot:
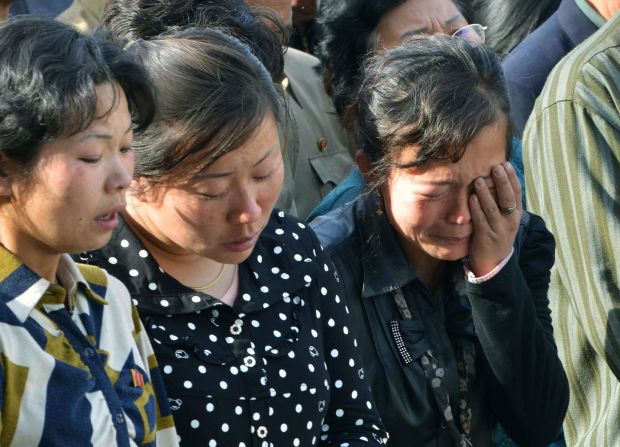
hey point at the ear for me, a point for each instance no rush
(363, 163)
(8, 171)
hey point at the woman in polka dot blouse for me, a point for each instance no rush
(246, 317)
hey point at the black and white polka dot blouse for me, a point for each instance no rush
(279, 368)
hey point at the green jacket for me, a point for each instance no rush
(571, 150)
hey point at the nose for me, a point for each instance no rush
(120, 173)
(458, 212)
(246, 209)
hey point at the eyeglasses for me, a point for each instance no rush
(474, 33)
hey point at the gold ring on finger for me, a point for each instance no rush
(508, 210)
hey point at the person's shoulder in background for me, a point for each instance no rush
(46, 8)
(85, 15)
(527, 67)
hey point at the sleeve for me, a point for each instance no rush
(166, 432)
(348, 189)
(528, 386)
(580, 203)
(572, 154)
(472, 278)
(1, 394)
(156, 416)
(352, 419)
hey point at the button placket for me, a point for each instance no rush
(262, 432)
(249, 361)
(237, 327)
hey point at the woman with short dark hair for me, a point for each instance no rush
(247, 319)
(446, 275)
(76, 366)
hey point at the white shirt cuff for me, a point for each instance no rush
(472, 278)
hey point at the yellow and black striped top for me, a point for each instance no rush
(572, 157)
(76, 366)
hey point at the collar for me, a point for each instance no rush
(579, 20)
(385, 267)
(153, 290)
(287, 86)
(22, 290)
(275, 270)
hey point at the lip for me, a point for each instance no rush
(243, 244)
(109, 221)
(454, 240)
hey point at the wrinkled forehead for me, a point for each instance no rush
(418, 17)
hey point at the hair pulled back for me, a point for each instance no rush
(213, 94)
(260, 29)
(433, 92)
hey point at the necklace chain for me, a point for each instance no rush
(212, 282)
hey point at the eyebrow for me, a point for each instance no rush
(416, 31)
(456, 18)
(226, 174)
(264, 157)
(102, 136)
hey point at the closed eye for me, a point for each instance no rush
(433, 196)
(261, 178)
(212, 196)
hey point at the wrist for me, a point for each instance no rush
(481, 273)
(482, 268)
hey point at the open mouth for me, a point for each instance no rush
(110, 220)
(107, 217)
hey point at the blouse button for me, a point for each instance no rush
(249, 361)
(261, 432)
(235, 329)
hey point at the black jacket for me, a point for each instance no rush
(520, 382)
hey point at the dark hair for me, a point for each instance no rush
(508, 22)
(259, 28)
(213, 94)
(49, 73)
(435, 92)
(346, 30)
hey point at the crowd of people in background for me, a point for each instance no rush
(310, 222)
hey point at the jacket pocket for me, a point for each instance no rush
(331, 169)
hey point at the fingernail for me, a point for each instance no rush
(479, 182)
(497, 170)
